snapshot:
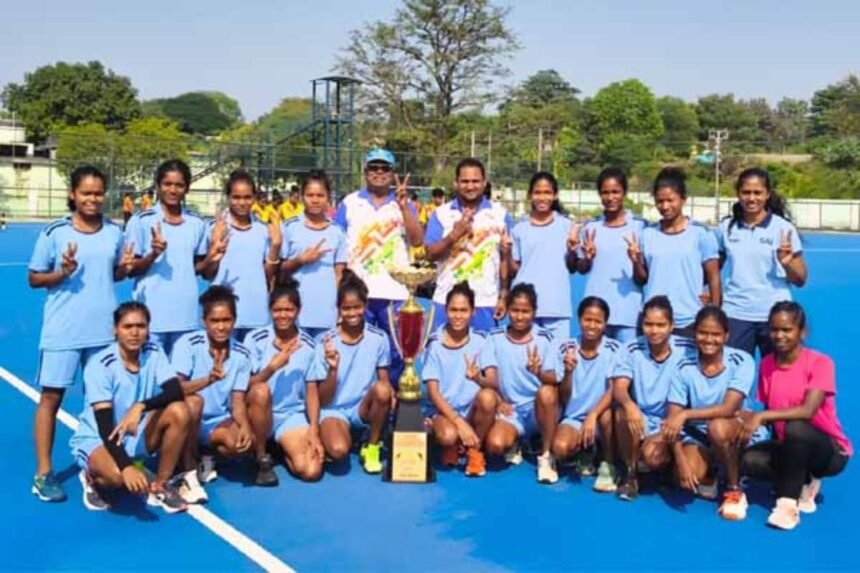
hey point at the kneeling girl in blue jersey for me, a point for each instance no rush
(640, 387)
(215, 371)
(356, 391)
(585, 391)
(283, 398)
(134, 409)
(529, 373)
(707, 392)
(462, 383)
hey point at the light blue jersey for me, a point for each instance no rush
(106, 379)
(79, 310)
(650, 379)
(317, 284)
(691, 389)
(356, 371)
(191, 359)
(169, 287)
(755, 280)
(447, 366)
(243, 269)
(675, 269)
(518, 386)
(288, 383)
(590, 377)
(611, 274)
(541, 251)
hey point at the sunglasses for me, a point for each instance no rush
(379, 168)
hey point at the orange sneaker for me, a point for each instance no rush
(476, 464)
(450, 456)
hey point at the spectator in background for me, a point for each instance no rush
(146, 200)
(127, 208)
(293, 206)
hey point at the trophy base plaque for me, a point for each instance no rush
(410, 460)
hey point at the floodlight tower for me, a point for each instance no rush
(334, 133)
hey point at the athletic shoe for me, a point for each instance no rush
(370, 455)
(784, 514)
(476, 464)
(708, 490)
(734, 506)
(206, 471)
(189, 487)
(606, 478)
(47, 488)
(266, 476)
(546, 472)
(514, 456)
(165, 496)
(628, 489)
(806, 503)
(91, 497)
(584, 462)
(450, 457)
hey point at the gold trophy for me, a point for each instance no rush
(410, 452)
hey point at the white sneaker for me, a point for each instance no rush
(734, 506)
(708, 491)
(189, 487)
(810, 491)
(206, 471)
(546, 472)
(785, 514)
(514, 456)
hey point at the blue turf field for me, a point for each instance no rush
(351, 521)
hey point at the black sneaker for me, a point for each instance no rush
(167, 497)
(92, 498)
(266, 476)
(628, 489)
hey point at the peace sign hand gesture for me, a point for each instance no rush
(217, 372)
(276, 238)
(69, 264)
(401, 190)
(573, 236)
(219, 239)
(570, 359)
(785, 253)
(633, 251)
(589, 249)
(332, 356)
(313, 254)
(534, 361)
(158, 244)
(472, 370)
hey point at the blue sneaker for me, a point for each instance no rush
(47, 488)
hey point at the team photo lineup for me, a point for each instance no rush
(690, 363)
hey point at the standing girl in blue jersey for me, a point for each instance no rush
(529, 373)
(134, 409)
(589, 363)
(542, 248)
(356, 391)
(761, 250)
(251, 260)
(283, 398)
(676, 256)
(76, 259)
(602, 256)
(640, 387)
(315, 253)
(170, 247)
(215, 371)
(462, 383)
(706, 394)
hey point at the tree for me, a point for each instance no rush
(195, 112)
(835, 110)
(791, 121)
(545, 87)
(622, 112)
(445, 53)
(681, 125)
(60, 95)
(723, 112)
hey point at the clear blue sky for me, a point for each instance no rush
(259, 51)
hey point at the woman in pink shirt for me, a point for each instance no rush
(798, 388)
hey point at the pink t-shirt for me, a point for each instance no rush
(782, 387)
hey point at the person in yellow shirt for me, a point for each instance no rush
(292, 207)
(262, 208)
(146, 201)
(437, 198)
(127, 208)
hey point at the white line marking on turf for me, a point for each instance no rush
(13, 264)
(250, 548)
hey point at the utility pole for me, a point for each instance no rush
(472, 151)
(540, 149)
(717, 137)
(489, 154)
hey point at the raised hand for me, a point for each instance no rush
(69, 263)
(331, 355)
(633, 251)
(217, 372)
(313, 254)
(158, 244)
(589, 249)
(570, 359)
(785, 253)
(126, 262)
(534, 361)
(473, 373)
(401, 193)
(219, 239)
(505, 244)
(274, 226)
(128, 424)
(282, 358)
(463, 227)
(573, 236)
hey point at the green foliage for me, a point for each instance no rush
(203, 113)
(543, 88)
(681, 125)
(841, 154)
(621, 111)
(60, 95)
(835, 110)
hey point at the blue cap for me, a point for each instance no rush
(379, 155)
